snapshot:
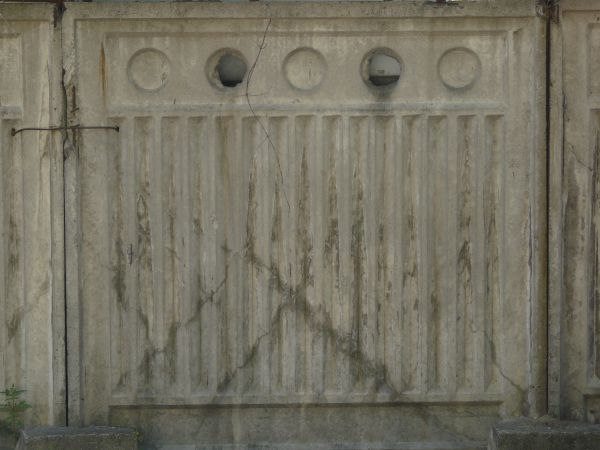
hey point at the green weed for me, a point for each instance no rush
(13, 408)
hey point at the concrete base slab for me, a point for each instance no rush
(70, 438)
(527, 434)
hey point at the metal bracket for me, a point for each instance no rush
(14, 131)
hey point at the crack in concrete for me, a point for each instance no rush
(572, 151)
(321, 322)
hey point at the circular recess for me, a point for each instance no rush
(148, 69)
(226, 68)
(381, 68)
(459, 68)
(304, 68)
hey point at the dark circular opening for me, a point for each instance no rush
(231, 70)
(383, 69)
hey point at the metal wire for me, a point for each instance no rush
(14, 131)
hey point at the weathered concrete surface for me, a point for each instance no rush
(526, 434)
(70, 438)
(574, 331)
(31, 212)
(318, 426)
(306, 238)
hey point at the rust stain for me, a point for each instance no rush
(358, 256)
(573, 247)
(15, 242)
(465, 289)
(120, 267)
(171, 352)
(119, 276)
(252, 210)
(146, 367)
(276, 229)
(304, 238)
(304, 248)
(103, 72)
(332, 251)
(13, 325)
(122, 381)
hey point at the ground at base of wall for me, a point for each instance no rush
(8, 440)
(544, 434)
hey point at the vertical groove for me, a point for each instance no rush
(239, 162)
(369, 155)
(277, 283)
(12, 180)
(265, 212)
(223, 159)
(4, 145)
(394, 239)
(331, 148)
(465, 318)
(317, 195)
(436, 256)
(358, 146)
(411, 149)
(18, 323)
(129, 214)
(186, 257)
(252, 146)
(130, 186)
(257, 146)
(452, 244)
(264, 186)
(593, 308)
(214, 280)
(382, 178)
(146, 293)
(493, 205)
(5, 126)
(158, 164)
(478, 241)
(289, 162)
(344, 170)
(171, 180)
(201, 281)
(118, 237)
(304, 253)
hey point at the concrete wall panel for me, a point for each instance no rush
(574, 308)
(305, 238)
(31, 249)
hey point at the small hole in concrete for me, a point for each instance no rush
(231, 70)
(383, 69)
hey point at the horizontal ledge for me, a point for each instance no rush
(481, 8)
(408, 108)
(281, 402)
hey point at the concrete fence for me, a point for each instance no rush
(300, 224)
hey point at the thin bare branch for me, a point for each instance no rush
(261, 46)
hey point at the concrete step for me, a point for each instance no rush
(71, 438)
(527, 434)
